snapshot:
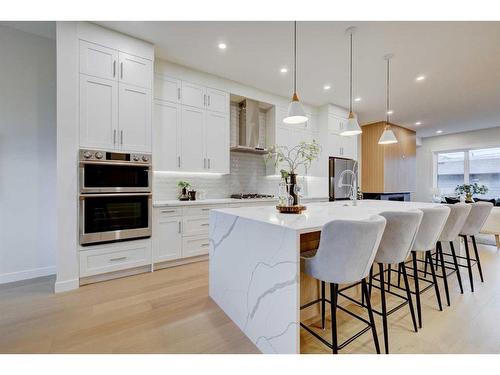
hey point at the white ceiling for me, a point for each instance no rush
(460, 60)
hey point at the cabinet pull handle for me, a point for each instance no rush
(204, 100)
(167, 211)
(114, 136)
(205, 209)
(208, 163)
(121, 137)
(121, 70)
(204, 244)
(117, 259)
(204, 163)
(114, 68)
(180, 227)
(179, 161)
(209, 100)
(179, 93)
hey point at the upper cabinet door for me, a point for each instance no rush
(166, 125)
(135, 119)
(192, 140)
(217, 100)
(135, 70)
(334, 145)
(350, 147)
(336, 124)
(217, 142)
(98, 112)
(167, 89)
(193, 95)
(98, 61)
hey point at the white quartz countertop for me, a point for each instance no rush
(216, 201)
(320, 213)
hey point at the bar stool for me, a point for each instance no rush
(395, 246)
(478, 214)
(345, 254)
(430, 229)
(455, 222)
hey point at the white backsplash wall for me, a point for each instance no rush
(247, 176)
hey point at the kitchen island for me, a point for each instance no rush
(254, 265)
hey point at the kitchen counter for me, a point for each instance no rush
(254, 264)
(222, 201)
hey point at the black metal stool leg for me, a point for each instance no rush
(477, 258)
(333, 307)
(457, 268)
(434, 279)
(408, 295)
(425, 267)
(469, 266)
(370, 281)
(399, 275)
(370, 314)
(389, 273)
(417, 290)
(384, 308)
(323, 297)
(439, 249)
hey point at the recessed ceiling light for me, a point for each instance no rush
(283, 70)
(327, 87)
(390, 112)
(418, 123)
(420, 78)
(222, 46)
(358, 99)
(439, 131)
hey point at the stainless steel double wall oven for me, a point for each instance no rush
(115, 196)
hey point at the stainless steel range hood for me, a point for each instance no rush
(249, 128)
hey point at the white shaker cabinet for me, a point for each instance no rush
(167, 240)
(98, 61)
(135, 70)
(167, 89)
(193, 95)
(217, 142)
(192, 139)
(217, 100)
(134, 118)
(166, 128)
(98, 112)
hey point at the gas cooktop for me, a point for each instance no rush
(251, 196)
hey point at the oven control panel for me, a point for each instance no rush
(113, 156)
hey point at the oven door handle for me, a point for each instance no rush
(84, 196)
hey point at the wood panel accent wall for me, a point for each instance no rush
(388, 168)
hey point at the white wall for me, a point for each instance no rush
(27, 155)
(425, 153)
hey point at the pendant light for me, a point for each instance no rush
(296, 114)
(352, 126)
(387, 136)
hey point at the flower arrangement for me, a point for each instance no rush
(302, 154)
(470, 190)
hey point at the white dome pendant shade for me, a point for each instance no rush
(388, 137)
(296, 114)
(352, 126)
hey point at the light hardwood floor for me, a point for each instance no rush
(169, 311)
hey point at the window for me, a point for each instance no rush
(469, 166)
(450, 171)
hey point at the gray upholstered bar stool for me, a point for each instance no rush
(395, 246)
(344, 256)
(454, 224)
(430, 229)
(477, 217)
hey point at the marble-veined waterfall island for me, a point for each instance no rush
(254, 269)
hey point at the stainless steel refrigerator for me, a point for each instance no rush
(335, 167)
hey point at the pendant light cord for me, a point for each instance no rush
(294, 57)
(387, 96)
(350, 77)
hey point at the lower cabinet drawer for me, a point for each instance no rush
(115, 257)
(195, 225)
(195, 245)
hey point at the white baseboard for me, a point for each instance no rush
(26, 274)
(64, 286)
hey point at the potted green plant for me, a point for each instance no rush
(471, 189)
(183, 185)
(302, 154)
